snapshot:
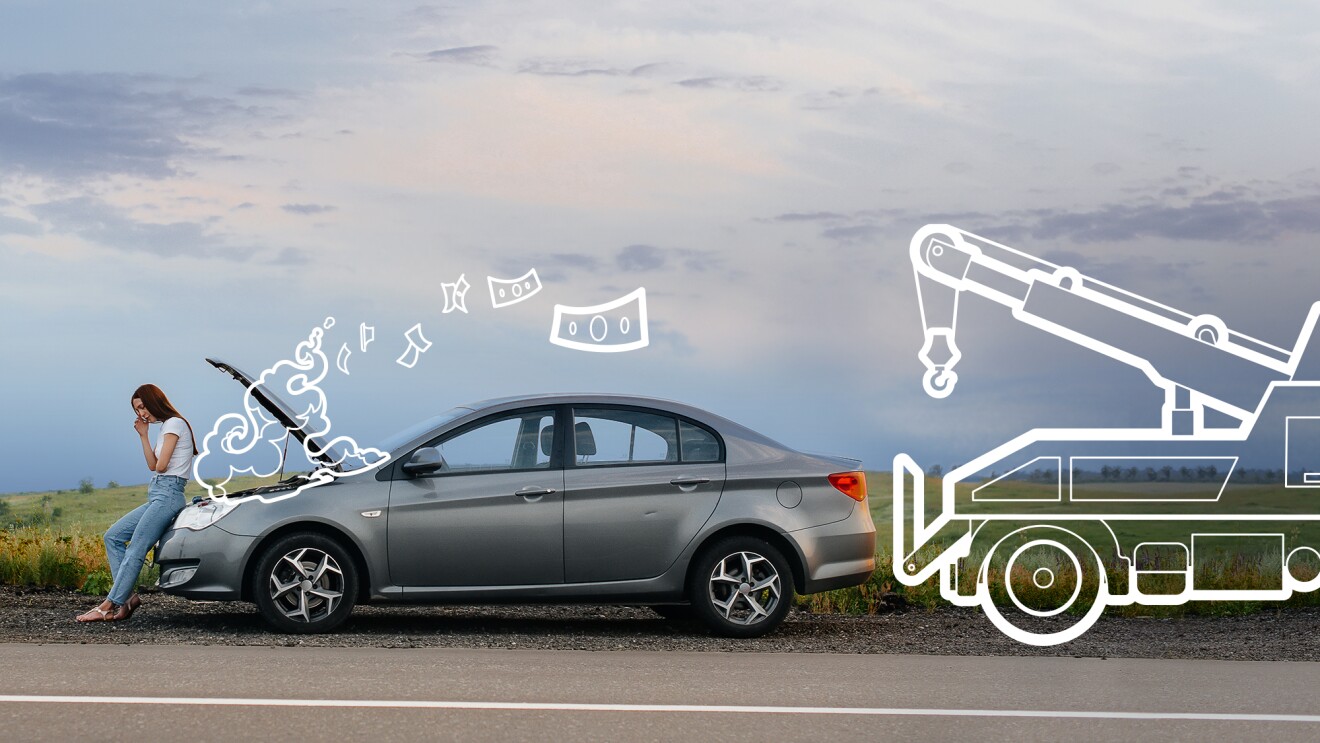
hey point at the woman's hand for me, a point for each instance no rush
(140, 426)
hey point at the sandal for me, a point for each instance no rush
(126, 610)
(96, 614)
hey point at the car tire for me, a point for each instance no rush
(305, 583)
(741, 587)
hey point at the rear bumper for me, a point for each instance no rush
(205, 565)
(839, 554)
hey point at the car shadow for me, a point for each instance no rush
(473, 621)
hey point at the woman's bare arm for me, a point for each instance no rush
(140, 426)
(166, 451)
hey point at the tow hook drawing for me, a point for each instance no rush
(1046, 530)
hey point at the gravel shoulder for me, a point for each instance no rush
(38, 615)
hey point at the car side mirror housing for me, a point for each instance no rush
(425, 461)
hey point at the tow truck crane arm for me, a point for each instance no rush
(1197, 360)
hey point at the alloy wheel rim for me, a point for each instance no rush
(744, 588)
(306, 585)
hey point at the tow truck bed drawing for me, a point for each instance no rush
(1046, 507)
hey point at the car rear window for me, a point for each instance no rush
(698, 444)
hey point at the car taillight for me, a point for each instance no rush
(851, 484)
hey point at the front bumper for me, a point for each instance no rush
(206, 564)
(839, 554)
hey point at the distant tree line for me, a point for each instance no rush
(1163, 473)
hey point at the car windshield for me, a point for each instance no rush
(338, 449)
(394, 441)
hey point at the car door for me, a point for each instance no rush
(639, 484)
(493, 515)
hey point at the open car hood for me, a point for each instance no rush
(280, 410)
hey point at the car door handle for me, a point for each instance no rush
(682, 481)
(534, 492)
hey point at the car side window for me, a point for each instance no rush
(605, 436)
(698, 444)
(519, 441)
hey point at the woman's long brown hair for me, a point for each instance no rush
(160, 407)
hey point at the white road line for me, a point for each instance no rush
(680, 708)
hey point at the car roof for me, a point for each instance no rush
(721, 424)
(563, 398)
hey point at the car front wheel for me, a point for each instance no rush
(305, 583)
(741, 587)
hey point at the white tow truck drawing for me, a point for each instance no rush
(1064, 522)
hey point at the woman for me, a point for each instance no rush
(127, 542)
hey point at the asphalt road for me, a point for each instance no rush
(63, 692)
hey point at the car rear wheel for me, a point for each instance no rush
(741, 587)
(305, 583)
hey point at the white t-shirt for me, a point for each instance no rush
(181, 459)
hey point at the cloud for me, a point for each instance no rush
(838, 98)
(571, 67)
(566, 68)
(482, 55)
(307, 208)
(640, 258)
(109, 226)
(808, 217)
(73, 125)
(1220, 217)
(855, 233)
(14, 226)
(580, 261)
(256, 91)
(291, 257)
(636, 258)
(1203, 209)
(747, 83)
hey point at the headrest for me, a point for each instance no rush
(547, 438)
(584, 442)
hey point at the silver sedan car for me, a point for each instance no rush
(551, 498)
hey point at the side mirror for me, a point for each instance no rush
(425, 461)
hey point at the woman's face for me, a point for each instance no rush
(142, 411)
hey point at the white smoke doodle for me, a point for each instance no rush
(243, 434)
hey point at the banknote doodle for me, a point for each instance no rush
(456, 295)
(417, 345)
(504, 292)
(612, 327)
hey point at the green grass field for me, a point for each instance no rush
(1267, 501)
(57, 540)
(1240, 566)
(97, 510)
(66, 550)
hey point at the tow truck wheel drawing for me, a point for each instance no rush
(1019, 561)
(1119, 515)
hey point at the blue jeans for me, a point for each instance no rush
(127, 542)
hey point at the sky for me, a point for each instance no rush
(183, 181)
